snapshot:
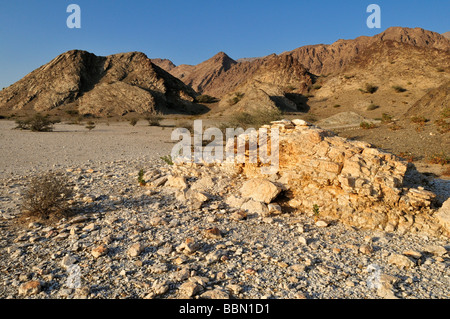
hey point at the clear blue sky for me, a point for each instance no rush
(32, 32)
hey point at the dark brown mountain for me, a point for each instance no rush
(112, 85)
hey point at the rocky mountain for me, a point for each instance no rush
(164, 64)
(446, 34)
(433, 104)
(112, 85)
(275, 82)
(399, 74)
(325, 59)
(200, 77)
(221, 75)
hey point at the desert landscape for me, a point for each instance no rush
(358, 209)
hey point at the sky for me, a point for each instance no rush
(32, 32)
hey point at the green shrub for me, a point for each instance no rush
(369, 88)
(386, 118)
(141, 180)
(399, 89)
(37, 123)
(237, 97)
(206, 99)
(366, 125)
(167, 159)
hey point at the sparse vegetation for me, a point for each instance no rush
(47, 196)
(254, 119)
(399, 89)
(206, 99)
(72, 112)
(419, 120)
(366, 125)
(134, 121)
(316, 87)
(440, 70)
(372, 107)
(90, 125)
(439, 158)
(337, 106)
(167, 159)
(141, 180)
(187, 125)
(237, 97)
(386, 118)
(37, 123)
(154, 119)
(369, 88)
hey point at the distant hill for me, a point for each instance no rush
(446, 34)
(113, 85)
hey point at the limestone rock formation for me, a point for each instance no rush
(349, 181)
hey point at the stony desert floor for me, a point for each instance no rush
(136, 242)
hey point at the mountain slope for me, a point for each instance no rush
(112, 85)
(200, 77)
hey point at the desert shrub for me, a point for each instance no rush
(366, 125)
(316, 87)
(36, 123)
(90, 125)
(253, 119)
(185, 124)
(439, 158)
(386, 118)
(399, 89)
(445, 112)
(167, 159)
(369, 88)
(47, 195)
(440, 70)
(154, 119)
(337, 106)
(372, 107)
(419, 120)
(133, 121)
(237, 97)
(141, 180)
(72, 112)
(206, 99)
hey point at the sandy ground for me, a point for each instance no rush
(23, 152)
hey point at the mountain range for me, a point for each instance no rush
(415, 59)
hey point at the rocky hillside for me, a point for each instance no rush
(276, 83)
(221, 76)
(325, 59)
(200, 76)
(398, 74)
(112, 85)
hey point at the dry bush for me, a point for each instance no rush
(154, 119)
(47, 196)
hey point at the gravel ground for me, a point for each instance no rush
(144, 242)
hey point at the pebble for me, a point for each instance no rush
(151, 246)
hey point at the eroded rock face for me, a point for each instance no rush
(349, 181)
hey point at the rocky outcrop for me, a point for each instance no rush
(112, 85)
(349, 181)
